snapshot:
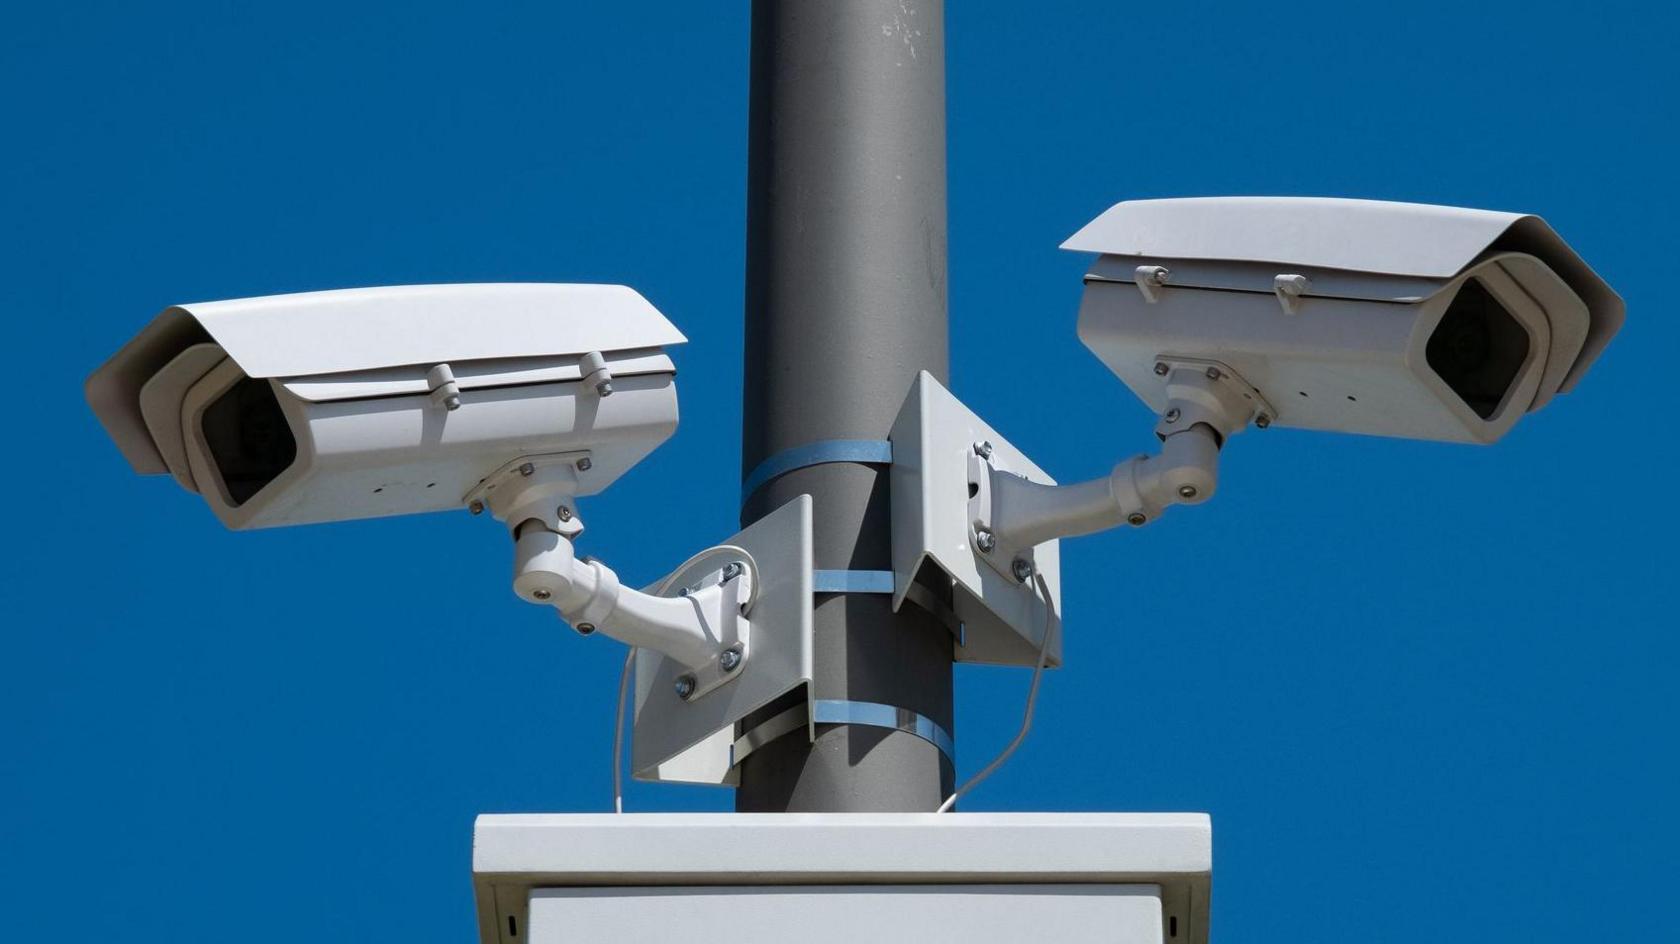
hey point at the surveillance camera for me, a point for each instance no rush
(1359, 316)
(361, 403)
(514, 400)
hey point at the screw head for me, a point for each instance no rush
(1137, 519)
(983, 450)
(985, 540)
(1187, 491)
(732, 570)
(563, 513)
(527, 469)
(585, 629)
(1160, 369)
(730, 660)
(684, 687)
(585, 464)
(1021, 568)
(542, 595)
(604, 388)
(1173, 415)
(1213, 373)
(476, 507)
(452, 402)
(1262, 421)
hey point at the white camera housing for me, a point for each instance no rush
(362, 403)
(1391, 319)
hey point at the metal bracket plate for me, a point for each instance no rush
(1003, 619)
(690, 741)
(731, 628)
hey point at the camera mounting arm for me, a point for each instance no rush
(695, 628)
(1206, 402)
(704, 627)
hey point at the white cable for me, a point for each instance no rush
(618, 732)
(1027, 718)
(737, 555)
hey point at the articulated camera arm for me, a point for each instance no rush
(705, 626)
(1137, 491)
(1206, 403)
(696, 628)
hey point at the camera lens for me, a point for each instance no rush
(1478, 348)
(248, 438)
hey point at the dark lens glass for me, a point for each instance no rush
(249, 439)
(1478, 348)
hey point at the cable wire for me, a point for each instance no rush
(1032, 700)
(618, 731)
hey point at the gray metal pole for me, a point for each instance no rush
(845, 303)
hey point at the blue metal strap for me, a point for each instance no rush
(868, 451)
(852, 581)
(875, 715)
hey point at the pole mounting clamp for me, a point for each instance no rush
(862, 451)
(839, 711)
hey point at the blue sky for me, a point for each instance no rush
(1424, 690)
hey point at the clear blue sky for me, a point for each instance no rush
(1424, 690)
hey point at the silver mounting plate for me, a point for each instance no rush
(1003, 619)
(692, 741)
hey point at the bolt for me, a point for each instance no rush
(730, 660)
(542, 595)
(1021, 568)
(985, 540)
(1187, 491)
(1213, 373)
(1173, 415)
(527, 469)
(1136, 519)
(1158, 275)
(452, 402)
(604, 388)
(585, 464)
(685, 687)
(564, 513)
(585, 629)
(1262, 421)
(731, 570)
(983, 450)
(683, 592)
(1160, 370)
(476, 507)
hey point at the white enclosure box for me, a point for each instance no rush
(360, 403)
(840, 878)
(1391, 319)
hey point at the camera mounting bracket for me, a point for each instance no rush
(705, 628)
(541, 488)
(691, 740)
(940, 449)
(1206, 403)
(1198, 390)
(724, 634)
